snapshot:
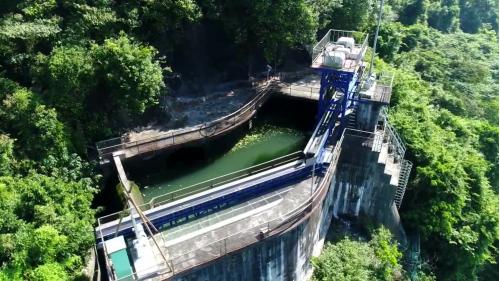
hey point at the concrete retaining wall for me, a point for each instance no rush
(359, 187)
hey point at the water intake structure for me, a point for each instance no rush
(257, 203)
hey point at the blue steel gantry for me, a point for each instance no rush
(339, 59)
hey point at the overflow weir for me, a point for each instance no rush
(265, 222)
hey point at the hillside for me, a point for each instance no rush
(75, 72)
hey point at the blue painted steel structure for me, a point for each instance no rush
(334, 82)
(222, 202)
(339, 83)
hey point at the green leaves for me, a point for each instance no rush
(127, 72)
(35, 126)
(69, 76)
(438, 110)
(15, 28)
(266, 26)
(117, 81)
(276, 32)
(6, 154)
(48, 272)
(386, 250)
(53, 229)
(351, 14)
(38, 8)
(343, 261)
(349, 260)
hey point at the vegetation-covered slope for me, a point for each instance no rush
(74, 72)
(445, 107)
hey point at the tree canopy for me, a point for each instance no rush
(76, 72)
(351, 260)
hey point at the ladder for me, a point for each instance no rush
(404, 174)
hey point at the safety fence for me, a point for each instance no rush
(176, 137)
(383, 88)
(204, 186)
(367, 139)
(333, 35)
(221, 180)
(309, 92)
(290, 76)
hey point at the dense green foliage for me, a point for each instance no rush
(75, 72)
(445, 106)
(98, 85)
(264, 25)
(350, 260)
(445, 103)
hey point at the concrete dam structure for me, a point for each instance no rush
(361, 186)
(267, 221)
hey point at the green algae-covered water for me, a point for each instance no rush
(278, 130)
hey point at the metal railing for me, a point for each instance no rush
(299, 90)
(404, 175)
(393, 135)
(221, 180)
(373, 140)
(204, 185)
(247, 236)
(368, 138)
(383, 89)
(108, 147)
(395, 140)
(293, 75)
(386, 79)
(333, 35)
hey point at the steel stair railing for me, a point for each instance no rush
(404, 175)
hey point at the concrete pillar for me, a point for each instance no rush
(367, 116)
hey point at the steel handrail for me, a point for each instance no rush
(331, 35)
(262, 91)
(288, 159)
(282, 219)
(295, 210)
(228, 178)
(276, 222)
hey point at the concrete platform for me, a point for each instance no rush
(207, 238)
(214, 236)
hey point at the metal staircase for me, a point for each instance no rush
(404, 174)
(378, 141)
(351, 122)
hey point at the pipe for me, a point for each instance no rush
(376, 36)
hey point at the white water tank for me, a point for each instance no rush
(334, 59)
(347, 42)
(344, 50)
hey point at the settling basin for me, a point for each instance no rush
(282, 126)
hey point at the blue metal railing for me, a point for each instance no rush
(212, 205)
(218, 181)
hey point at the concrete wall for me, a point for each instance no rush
(286, 257)
(359, 187)
(367, 116)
